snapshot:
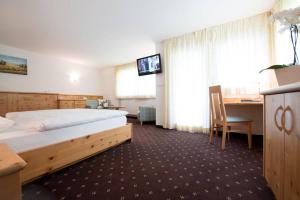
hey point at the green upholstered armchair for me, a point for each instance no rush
(146, 114)
(93, 104)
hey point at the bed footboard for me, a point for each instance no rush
(10, 166)
(48, 159)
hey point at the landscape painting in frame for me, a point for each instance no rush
(13, 65)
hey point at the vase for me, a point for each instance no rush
(288, 75)
(294, 39)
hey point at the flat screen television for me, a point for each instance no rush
(149, 65)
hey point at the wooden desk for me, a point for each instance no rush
(245, 103)
(250, 110)
(114, 107)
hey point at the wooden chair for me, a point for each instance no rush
(219, 119)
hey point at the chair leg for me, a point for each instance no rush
(216, 134)
(224, 137)
(211, 136)
(228, 136)
(249, 135)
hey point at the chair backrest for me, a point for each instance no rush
(147, 113)
(93, 104)
(217, 108)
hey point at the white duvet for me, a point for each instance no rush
(44, 120)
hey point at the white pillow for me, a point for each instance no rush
(5, 123)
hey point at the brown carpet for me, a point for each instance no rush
(161, 164)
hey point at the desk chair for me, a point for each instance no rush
(219, 119)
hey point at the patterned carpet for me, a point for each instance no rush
(161, 164)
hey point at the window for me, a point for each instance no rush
(130, 85)
(230, 55)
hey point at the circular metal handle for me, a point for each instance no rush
(287, 109)
(275, 119)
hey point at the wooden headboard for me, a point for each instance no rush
(21, 101)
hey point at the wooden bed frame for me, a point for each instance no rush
(17, 169)
(48, 159)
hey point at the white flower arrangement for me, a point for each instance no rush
(287, 18)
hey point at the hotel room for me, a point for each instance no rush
(151, 100)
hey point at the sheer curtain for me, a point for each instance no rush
(130, 85)
(238, 51)
(231, 55)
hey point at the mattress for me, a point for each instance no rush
(45, 120)
(25, 140)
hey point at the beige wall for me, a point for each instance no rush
(48, 74)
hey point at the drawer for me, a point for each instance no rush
(80, 104)
(66, 104)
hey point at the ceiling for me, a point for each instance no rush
(109, 32)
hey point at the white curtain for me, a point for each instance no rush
(130, 85)
(231, 55)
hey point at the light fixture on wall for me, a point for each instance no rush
(74, 77)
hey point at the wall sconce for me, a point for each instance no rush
(74, 77)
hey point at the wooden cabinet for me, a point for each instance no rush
(282, 144)
(292, 146)
(274, 146)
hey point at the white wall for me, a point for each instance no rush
(48, 74)
(108, 83)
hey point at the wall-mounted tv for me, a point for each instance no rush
(149, 65)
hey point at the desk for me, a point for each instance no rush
(244, 103)
(250, 110)
(113, 107)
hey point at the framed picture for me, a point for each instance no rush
(13, 65)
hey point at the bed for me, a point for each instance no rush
(48, 140)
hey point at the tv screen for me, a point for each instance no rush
(149, 65)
